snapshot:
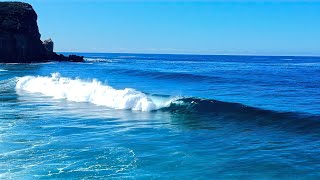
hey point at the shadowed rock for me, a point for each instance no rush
(20, 38)
(48, 44)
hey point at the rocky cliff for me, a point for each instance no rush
(20, 38)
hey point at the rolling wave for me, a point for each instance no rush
(212, 106)
(213, 109)
(198, 105)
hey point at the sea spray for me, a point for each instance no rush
(93, 91)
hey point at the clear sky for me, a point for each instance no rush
(203, 27)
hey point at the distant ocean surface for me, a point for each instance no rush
(143, 116)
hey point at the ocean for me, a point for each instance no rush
(148, 116)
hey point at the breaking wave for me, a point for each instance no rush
(93, 91)
(100, 94)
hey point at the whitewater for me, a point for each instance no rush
(93, 91)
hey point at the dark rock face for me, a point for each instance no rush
(19, 34)
(70, 58)
(20, 38)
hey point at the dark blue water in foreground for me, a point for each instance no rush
(161, 116)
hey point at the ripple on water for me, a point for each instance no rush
(39, 161)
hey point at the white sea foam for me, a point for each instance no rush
(93, 91)
(100, 60)
(2, 70)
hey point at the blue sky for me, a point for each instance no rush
(202, 27)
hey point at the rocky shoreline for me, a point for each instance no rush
(20, 38)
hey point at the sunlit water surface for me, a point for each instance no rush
(189, 117)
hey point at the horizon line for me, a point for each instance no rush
(191, 54)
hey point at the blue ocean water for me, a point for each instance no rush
(142, 116)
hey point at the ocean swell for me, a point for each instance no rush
(93, 91)
(167, 75)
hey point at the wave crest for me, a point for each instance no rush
(93, 91)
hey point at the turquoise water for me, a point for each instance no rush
(136, 116)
